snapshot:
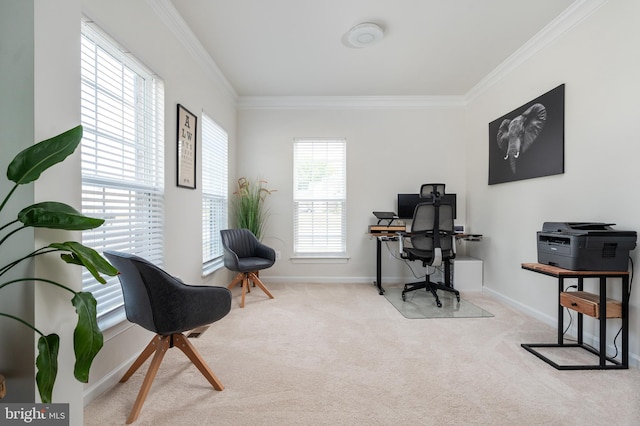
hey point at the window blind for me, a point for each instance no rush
(122, 159)
(215, 188)
(319, 194)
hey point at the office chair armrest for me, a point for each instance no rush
(413, 234)
(401, 236)
(437, 257)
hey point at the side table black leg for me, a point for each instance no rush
(603, 321)
(580, 316)
(560, 312)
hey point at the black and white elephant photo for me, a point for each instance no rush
(529, 141)
(516, 135)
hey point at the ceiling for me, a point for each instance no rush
(295, 47)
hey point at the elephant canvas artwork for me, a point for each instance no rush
(528, 142)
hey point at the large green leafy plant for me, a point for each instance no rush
(25, 168)
(248, 204)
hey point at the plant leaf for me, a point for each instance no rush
(55, 215)
(87, 337)
(31, 162)
(87, 257)
(47, 364)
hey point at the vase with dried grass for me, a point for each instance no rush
(248, 205)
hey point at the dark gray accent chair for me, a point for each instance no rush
(165, 305)
(432, 239)
(244, 254)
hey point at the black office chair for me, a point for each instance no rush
(432, 240)
(168, 307)
(244, 254)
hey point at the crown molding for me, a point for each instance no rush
(348, 102)
(563, 23)
(572, 16)
(172, 19)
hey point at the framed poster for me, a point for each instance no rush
(187, 126)
(528, 142)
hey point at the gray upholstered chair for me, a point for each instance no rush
(432, 240)
(168, 307)
(244, 254)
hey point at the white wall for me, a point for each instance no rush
(137, 26)
(56, 80)
(389, 151)
(596, 62)
(189, 83)
(16, 122)
(57, 89)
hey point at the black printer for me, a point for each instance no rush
(585, 246)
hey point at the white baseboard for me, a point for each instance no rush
(321, 280)
(107, 382)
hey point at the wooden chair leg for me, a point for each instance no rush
(160, 350)
(245, 287)
(146, 353)
(260, 284)
(183, 343)
(160, 345)
(236, 280)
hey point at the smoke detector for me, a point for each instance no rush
(363, 35)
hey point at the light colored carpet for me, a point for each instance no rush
(343, 355)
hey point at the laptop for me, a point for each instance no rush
(385, 215)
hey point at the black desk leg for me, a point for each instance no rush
(379, 266)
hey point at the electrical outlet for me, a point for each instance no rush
(277, 254)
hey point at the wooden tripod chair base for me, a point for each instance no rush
(159, 345)
(244, 278)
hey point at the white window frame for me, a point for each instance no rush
(319, 199)
(122, 156)
(215, 192)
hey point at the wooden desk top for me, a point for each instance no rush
(554, 271)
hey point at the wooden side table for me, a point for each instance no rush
(597, 306)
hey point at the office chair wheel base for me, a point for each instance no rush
(404, 297)
(439, 303)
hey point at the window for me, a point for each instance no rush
(319, 197)
(122, 160)
(214, 192)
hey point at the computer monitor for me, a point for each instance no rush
(407, 204)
